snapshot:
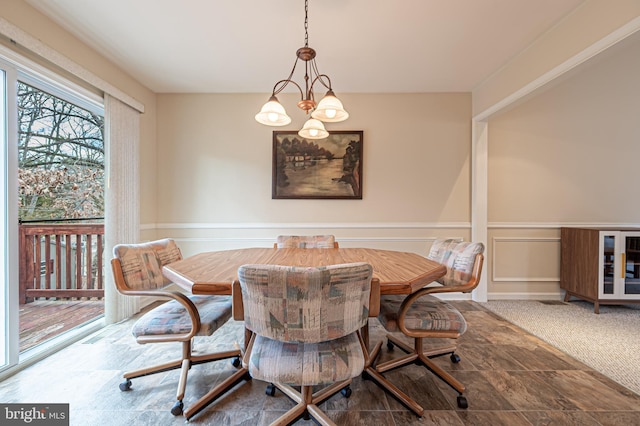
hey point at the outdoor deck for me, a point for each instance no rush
(61, 278)
(44, 319)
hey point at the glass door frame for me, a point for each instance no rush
(622, 294)
(16, 68)
(610, 264)
(9, 218)
(619, 265)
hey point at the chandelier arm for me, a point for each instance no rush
(287, 81)
(320, 78)
(314, 67)
(277, 90)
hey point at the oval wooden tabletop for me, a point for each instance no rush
(214, 272)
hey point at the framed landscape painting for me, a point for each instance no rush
(329, 168)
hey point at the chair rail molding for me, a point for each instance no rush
(324, 225)
(558, 225)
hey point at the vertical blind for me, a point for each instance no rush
(122, 196)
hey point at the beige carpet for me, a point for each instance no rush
(608, 342)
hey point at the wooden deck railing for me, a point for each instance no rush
(61, 261)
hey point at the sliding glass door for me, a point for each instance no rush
(8, 219)
(4, 356)
(33, 101)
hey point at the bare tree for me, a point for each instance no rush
(61, 158)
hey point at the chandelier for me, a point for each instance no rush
(329, 109)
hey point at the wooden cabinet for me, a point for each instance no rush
(600, 265)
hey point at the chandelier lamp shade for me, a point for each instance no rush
(273, 114)
(313, 129)
(328, 110)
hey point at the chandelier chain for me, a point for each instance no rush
(306, 23)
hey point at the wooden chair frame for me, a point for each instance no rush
(417, 354)
(335, 245)
(187, 359)
(307, 401)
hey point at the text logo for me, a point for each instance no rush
(34, 414)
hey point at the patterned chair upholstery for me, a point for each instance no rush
(422, 315)
(305, 241)
(305, 323)
(137, 270)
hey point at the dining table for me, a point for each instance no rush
(216, 272)
(213, 272)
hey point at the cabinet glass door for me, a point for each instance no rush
(608, 262)
(631, 263)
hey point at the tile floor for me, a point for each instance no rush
(512, 379)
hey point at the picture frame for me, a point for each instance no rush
(329, 168)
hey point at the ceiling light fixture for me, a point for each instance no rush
(329, 109)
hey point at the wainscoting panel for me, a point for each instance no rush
(523, 263)
(526, 259)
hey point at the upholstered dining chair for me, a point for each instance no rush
(422, 315)
(305, 324)
(305, 241)
(137, 270)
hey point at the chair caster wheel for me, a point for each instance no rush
(455, 358)
(236, 362)
(125, 386)
(346, 392)
(271, 389)
(176, 410)
(462, 402)
(389, 345)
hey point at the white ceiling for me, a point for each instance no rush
(365, 46)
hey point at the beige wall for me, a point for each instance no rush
(566, 157)
(215, 165)
(598, 23)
